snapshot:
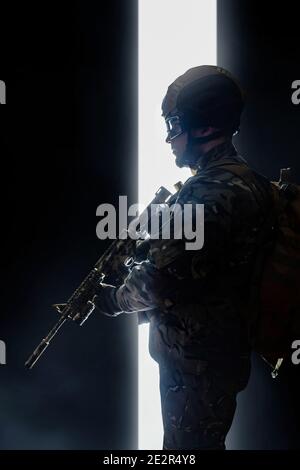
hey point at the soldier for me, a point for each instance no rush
(195, 300)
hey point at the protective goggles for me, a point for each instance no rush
(175, 127)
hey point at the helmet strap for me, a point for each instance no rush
(188, 159)
(204, 139)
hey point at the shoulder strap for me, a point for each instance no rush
(252, 308)
(246, 174)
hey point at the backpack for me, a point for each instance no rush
(273, 309)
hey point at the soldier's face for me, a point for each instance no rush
(178, 145)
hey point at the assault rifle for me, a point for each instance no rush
(119, 255)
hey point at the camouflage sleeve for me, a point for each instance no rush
(145, 288)
(154, 281)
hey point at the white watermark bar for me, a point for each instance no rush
(174, 35)
(2, 92)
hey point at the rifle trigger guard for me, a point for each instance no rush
(129, 262)
(59, 307)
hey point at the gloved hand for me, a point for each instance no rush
(105, 301)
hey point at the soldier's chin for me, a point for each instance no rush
(181, 161)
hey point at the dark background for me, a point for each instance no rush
(69, 143)
(69, 129)
(259, 43)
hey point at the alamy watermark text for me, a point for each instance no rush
(2, 92)
(296, 92)
(160, 222)
(2, 353)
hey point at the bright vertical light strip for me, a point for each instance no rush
(174, 35)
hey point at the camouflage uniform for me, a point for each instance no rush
(194, 302)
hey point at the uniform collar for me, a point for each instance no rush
(220, 152)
